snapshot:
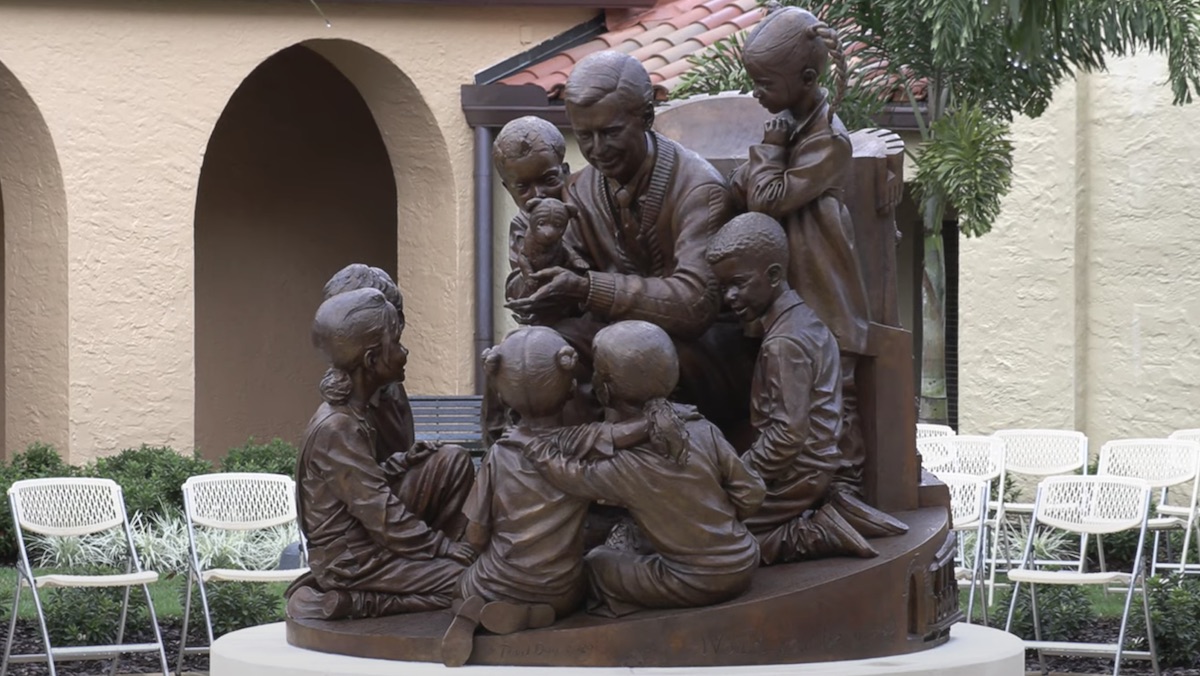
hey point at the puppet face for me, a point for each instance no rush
(748, 287)
(541, 173)
(548, 228)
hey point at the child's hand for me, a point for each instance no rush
(777, 131)
(462, 553)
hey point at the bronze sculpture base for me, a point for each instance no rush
(836, 609)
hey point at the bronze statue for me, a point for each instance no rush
(796, 176)
(432, 480)
(795, 398)
(702, 552)
(528, 532)
(369, 554)
(647, 207)
(614, 397)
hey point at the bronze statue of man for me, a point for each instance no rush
(647, 209)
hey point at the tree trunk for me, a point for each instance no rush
(933, 402)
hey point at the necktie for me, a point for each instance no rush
(624, 200)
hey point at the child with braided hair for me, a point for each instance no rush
(796, 176)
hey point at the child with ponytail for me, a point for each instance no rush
(369, 555)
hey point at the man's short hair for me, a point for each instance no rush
(526, 135)
(601, 74)
(751, 234)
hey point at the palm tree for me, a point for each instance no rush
(982, 62)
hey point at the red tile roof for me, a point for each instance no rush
(662, 38)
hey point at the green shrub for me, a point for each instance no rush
(39, 461)
(151, 476)
(1065, 612)
(275, 457)
(233, 606)
(1174, 610)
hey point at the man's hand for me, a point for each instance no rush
(560, 289)
(777, 131)
(462, 553)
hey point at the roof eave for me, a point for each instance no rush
(495, 105)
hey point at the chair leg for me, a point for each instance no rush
(1037, 626)
(12, 629)
(1139, 575)
(121, 632)
(1149, 627)
(1012, 606)
(37, 603)
(187, 612)
(1154, 551)
(204, 606)
(162, 647)
(1183, 554)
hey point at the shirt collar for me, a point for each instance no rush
(786, 301)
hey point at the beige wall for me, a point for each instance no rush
(296, 183)
(1081, 309)
(122, 100)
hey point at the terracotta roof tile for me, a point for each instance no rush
(662, 38)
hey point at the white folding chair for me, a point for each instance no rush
(983, 458)
(75, 507)
(1181, 512)
(233, 501)
(1042, 453)
(1164, 464)
(1087, 505)
(968, 512)
(926, 430)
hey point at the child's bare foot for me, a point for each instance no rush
(501, 617)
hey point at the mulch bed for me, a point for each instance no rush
(1104, 630)
(28, 639)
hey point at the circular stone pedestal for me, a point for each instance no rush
(971, 651)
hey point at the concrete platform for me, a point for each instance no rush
(971, 651)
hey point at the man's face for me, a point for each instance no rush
(611, 137)
(771, 90)
(538, 174)
(747, 286)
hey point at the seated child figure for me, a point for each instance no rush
(688, 504)
(795, 398)
(368, 554)
(528, 155)
(432, 480)
(528, 532)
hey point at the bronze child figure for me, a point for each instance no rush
(688, 502)
(432, 480)
(795, 404)
(369, 555)
(796, 176)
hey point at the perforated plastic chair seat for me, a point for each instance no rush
(1067, 577)
(237, 575)
(120, 580)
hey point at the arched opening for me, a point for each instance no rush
(33, 286)
(297, 182)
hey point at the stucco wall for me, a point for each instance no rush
(130, 93)
(1080, 310)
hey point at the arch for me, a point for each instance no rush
(326, 154)
(33, 288)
